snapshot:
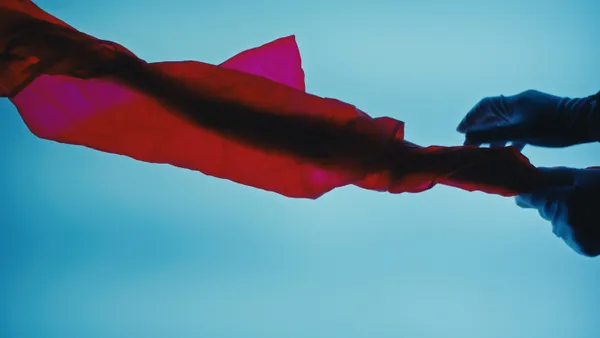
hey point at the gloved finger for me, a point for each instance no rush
(497, 144)
(488, 113)
(527, 200)
(474, 116)
(532, 200)
(471, 143)
(505, 134)
(555, 206)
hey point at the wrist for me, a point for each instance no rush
(583, 219)
(584, 117)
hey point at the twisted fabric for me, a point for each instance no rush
(248, 120)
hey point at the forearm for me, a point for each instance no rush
(596, 118)
(586, 121)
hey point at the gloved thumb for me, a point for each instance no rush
(550, 203)
(559, 176)
(558, 181)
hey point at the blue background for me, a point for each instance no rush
(98, 245)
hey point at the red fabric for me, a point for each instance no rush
(248, 120)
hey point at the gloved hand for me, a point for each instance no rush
(573, 207)
(532, 117)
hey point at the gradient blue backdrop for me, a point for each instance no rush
(98, 245)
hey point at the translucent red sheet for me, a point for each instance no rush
(248, 120)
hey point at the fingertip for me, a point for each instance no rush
(468, 121)
(480, 137)
(519, 146)
(471, 143)
(462, 126)
(496, 134)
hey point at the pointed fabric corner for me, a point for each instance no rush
(248, 120)
(277, 61)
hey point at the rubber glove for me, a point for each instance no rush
(573, 207)
(532, 117)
